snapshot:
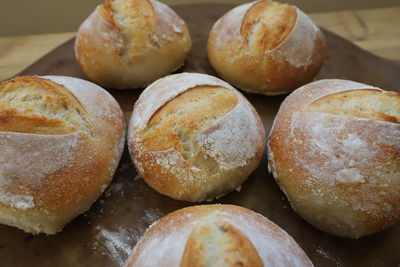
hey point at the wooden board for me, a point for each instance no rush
(105, 234)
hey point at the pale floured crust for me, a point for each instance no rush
(226, 234)
(49, 177)
(130, 43)
(335, 151)
(194, 137)
(266, 47)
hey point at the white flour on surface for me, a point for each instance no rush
(151, 215)
(118, 244)
(327, 256)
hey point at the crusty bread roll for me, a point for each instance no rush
(61, 139)
(216, 235)
(130, 43)
(266, 47)
(335, 151)
(194, 137)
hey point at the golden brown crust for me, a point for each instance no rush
(47, 178)
(106, 12)
(33, 105)
(334, 150)
(130, 43)
(200, 107)
(219, 244)
(365, 103)
(254, 237)
(266, 47)
(193, 137)
(266, 24)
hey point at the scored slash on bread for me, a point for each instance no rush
(35, 105)
(365, 103)
(61, 139)
(266, 25)
(217, 243)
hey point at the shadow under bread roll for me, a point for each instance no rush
(61, 139)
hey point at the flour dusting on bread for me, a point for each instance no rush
(229, 26)
(298, 47)
(230, 139)
(21, 202)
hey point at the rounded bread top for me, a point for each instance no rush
(206, 108)
(262, 29)
(353, 120)
(225, 234)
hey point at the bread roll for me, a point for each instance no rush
(334, 149)
(130, 43)
(194, 137)
(216, 235)
(61, 139)
(266, 47)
